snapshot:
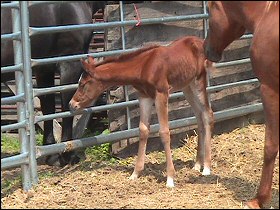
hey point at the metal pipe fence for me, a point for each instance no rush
(25, 92)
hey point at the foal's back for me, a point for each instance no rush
(181, 61)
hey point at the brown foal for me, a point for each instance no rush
(155, 72)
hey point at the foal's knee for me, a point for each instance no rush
(165, 135)
(144, 130)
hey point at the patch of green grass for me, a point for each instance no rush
(8, 184)
(39, 139)
(99, 152)
(9, 144)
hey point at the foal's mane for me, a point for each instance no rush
(127, 56)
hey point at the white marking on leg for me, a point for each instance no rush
(246, 207)
(206, 171)
(197, 166)
(170, 182)
(133, 176)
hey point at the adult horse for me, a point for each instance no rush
(51, 45)
(228, 21)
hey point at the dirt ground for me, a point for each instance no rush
(236, 158)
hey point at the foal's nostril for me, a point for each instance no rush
(71, 107)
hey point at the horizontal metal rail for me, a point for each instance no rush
(14, 161)
(13, 126)
(112, 137)
(14, 5)
(12, 36)
(105, 25)
(8, 69)
(13, 99)
(34, 3)
(232, 63)
(61, 88)
(43, 61)
(86, 110)
(215, 88)
(134, 102)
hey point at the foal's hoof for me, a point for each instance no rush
(133, 176)
(197, 167)
(170, 182)
(253, 204)
(206, 172)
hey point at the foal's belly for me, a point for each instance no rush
(180, 81)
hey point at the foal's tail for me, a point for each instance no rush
(209, 65)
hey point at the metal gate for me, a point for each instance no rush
(22, 32)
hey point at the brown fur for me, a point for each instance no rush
(262, 19)
(126, 56)
(156, 71)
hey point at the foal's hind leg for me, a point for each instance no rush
(144, 127)
(197, 96)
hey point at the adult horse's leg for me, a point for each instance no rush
(69, 73)
(144, 127)
(197, 96)
(270, 101)
(45, 78)
(161, 103)
(266, 68)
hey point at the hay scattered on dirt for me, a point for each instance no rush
(237, 160)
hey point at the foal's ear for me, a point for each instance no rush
(85, 64)
(91, 60)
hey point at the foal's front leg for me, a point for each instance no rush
(144, 127)
(161, 103)
(197, 96)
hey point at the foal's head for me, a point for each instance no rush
(224, 28)
(89, 88)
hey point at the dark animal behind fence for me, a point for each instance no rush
(52, 45)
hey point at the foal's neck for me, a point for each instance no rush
(125, 69)
(119, 73)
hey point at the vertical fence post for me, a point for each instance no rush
(123, 47)
(205, 27)
(21, 106)
(27, 71)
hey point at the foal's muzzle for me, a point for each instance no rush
(73, 106)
